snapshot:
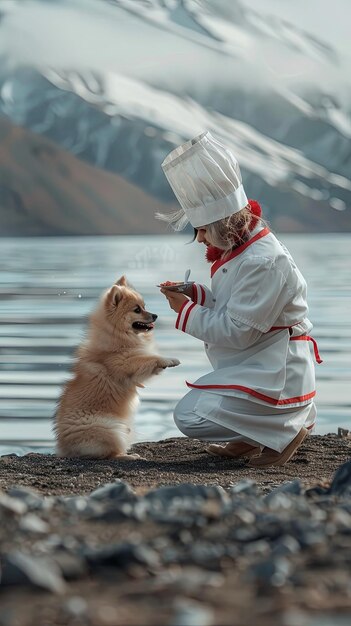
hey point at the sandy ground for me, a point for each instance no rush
(202, 591)
(170, 462)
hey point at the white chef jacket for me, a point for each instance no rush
(254, 325)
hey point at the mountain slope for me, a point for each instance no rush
(47, 191)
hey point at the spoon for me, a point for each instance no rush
(186, 277)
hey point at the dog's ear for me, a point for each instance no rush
(121, 281)
(114, 295)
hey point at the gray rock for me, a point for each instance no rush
(246, 533)
(122, 555)
(33, 524)
(11, 506)
(341, 484)
(113, 512)
(185, 505)
(72, 566)
(24, 569)
(285, 546)
(165, 495)
(317, 491)
(273, 571)
(277, 500)
(294, 487)
(189, 519)
(309, 532)
(258, 548)
(32, 499)
(204, 554)
(245, 516)
(343, 520)
(117, 490)
(247, 487)
(56, 542)
(187, 580)
(76, 607)
(82, 505)
(190, 613)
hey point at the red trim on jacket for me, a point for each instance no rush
(180, 313)
(187, 315)
(195, 292)
(217, 264)
(190, 306)
(257, 394)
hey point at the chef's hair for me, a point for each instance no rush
(230, 231)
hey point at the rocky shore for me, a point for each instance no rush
(178, 539)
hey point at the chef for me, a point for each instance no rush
(259, 397)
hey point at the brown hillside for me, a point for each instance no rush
(47, 191)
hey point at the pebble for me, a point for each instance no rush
(76, 607)
(185, 493)
(31, 498)
(341, 484)
(189, 613)
(248, 487)
(285, 545)
(33, 524)
(122, 555)
(72, 566)
(278, 500)
(25, 570)
(118, 490)
(82, 505)
(293, 487)
(11, 506)
(270, 572)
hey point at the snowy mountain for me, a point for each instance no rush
(120, 82)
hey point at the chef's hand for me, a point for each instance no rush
(175, 300)
(188, 291)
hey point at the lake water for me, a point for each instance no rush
(48, 286)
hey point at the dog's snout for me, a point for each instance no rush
(154, 317)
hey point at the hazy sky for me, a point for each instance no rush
(328, 19)
(90, 31)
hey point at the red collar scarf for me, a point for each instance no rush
(213, 253)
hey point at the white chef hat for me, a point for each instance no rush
(206, 179)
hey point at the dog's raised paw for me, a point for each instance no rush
(172, 362)
(163, 363)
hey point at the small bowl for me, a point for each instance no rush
(178, 287)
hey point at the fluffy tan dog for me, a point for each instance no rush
(94, 416)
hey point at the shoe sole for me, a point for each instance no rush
(227, 455)
(288, 453)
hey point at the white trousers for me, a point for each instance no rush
(212, 417)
